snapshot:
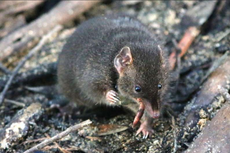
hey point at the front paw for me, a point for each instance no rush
(146, 130)
(112, 98)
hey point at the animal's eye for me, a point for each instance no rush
(137, 88)
(159, 86)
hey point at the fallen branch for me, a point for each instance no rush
(219, 78)
(216, 136)
(35, 140)
(18, 127)
(27, 36)
(210, 96)
(28, 56)
(58, 136)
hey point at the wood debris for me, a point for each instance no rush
(20, 125)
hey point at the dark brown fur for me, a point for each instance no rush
(86, 68)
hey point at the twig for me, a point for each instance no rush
(58, 136)
(184, 44)
(47, 148)
(4, 69)
(93, 138)
(35, 140)
(174, 134)
(15, 102)
(58, 146)
(28, 56)
(73, 148)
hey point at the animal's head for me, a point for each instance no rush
(141, 76)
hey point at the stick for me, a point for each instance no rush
(58, 146)
(184, 44)
(220, 78)
(15, 102)
(58, 136)
(174, 134)
(28, 56)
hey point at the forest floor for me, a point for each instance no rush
(111, 129)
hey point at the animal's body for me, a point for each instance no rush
(109, 51)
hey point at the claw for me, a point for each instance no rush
(146, 135)
(112, 97)
(138, 131)
(145, 129)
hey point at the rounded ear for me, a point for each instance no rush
(123, 59)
